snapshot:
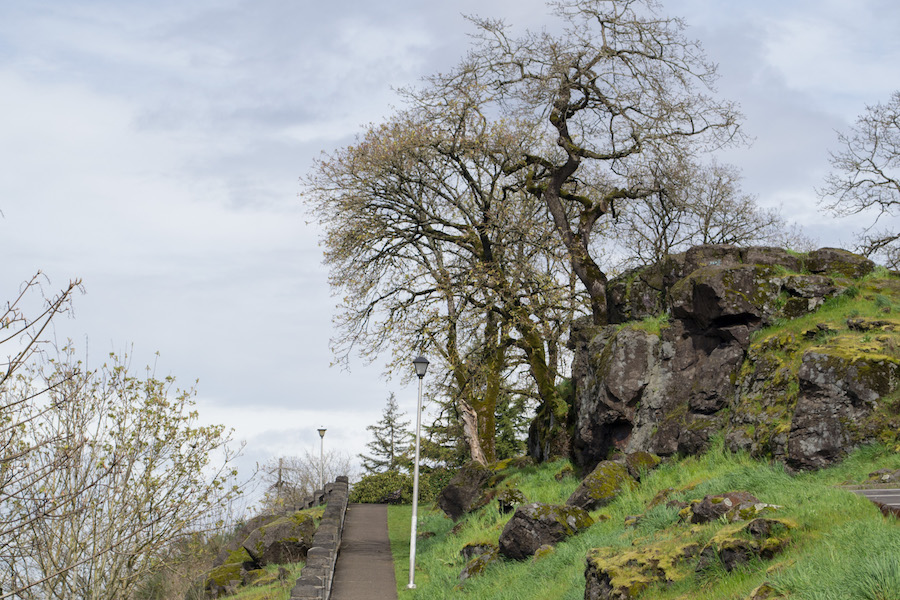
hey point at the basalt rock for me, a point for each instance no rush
(601, 486)
(286, 540)
(668, 385)
(535, 525)
(465, 490)
(839, 391)
(479, 563)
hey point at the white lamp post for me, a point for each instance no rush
(322, 457)
(421, 365)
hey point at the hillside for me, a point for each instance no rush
(765, 380)
(833, 545)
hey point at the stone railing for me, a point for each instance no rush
(315, 579)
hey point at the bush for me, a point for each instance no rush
(375, 488)
(372, 489)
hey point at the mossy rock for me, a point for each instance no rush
(640, 463)
(225, 575)
(477, 565)
(286, 540)
(614, 573)
(601, 486)
(838, 261)
(733, 546)
(535, 525)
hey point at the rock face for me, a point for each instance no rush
(535, 525)
(838, 393)
(666, 385)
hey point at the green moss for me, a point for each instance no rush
(606, 481)
(225, 574)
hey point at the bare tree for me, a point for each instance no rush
(116, 470)
(618, 88)
(292, 479)
(693, 204)
(99, 470)
(865, 178)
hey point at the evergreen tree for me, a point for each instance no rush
(392, 439)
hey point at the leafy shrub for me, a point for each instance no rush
(374, 488)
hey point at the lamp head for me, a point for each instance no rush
(421, 365)
(321, 432)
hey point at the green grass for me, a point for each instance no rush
(841, 548)
(277, 590)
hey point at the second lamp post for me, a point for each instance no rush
(322, 457)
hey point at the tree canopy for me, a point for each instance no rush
(462, 225)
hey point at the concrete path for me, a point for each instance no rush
(365, 567)
(886, 498)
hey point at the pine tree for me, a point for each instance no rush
(392, 438)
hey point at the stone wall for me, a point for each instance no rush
(316, 577)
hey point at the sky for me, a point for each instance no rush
(154, 151)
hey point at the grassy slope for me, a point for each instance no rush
(838, 540)
(840, 549)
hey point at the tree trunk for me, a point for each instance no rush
(470, 429)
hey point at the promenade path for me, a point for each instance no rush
(365, 567)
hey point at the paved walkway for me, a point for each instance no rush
(886, 498)
(365, 567)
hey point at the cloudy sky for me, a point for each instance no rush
(153, 149)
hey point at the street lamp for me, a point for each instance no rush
(421, 365)
(322, 457)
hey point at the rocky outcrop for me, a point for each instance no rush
(839, 391)
(682, 360)
(535, 525)
(273, 539)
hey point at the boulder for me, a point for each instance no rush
(535, 525)
(465, 490)
(639, 463)
(470, 551)
(760, 538)
(286, 540)
(841, 262)
(508, 499)
(601, 486)
(240, 535)
(224, 578)
(733, 506)
(622, 574)
(478, 564)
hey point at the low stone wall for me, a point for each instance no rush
(315, 579)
